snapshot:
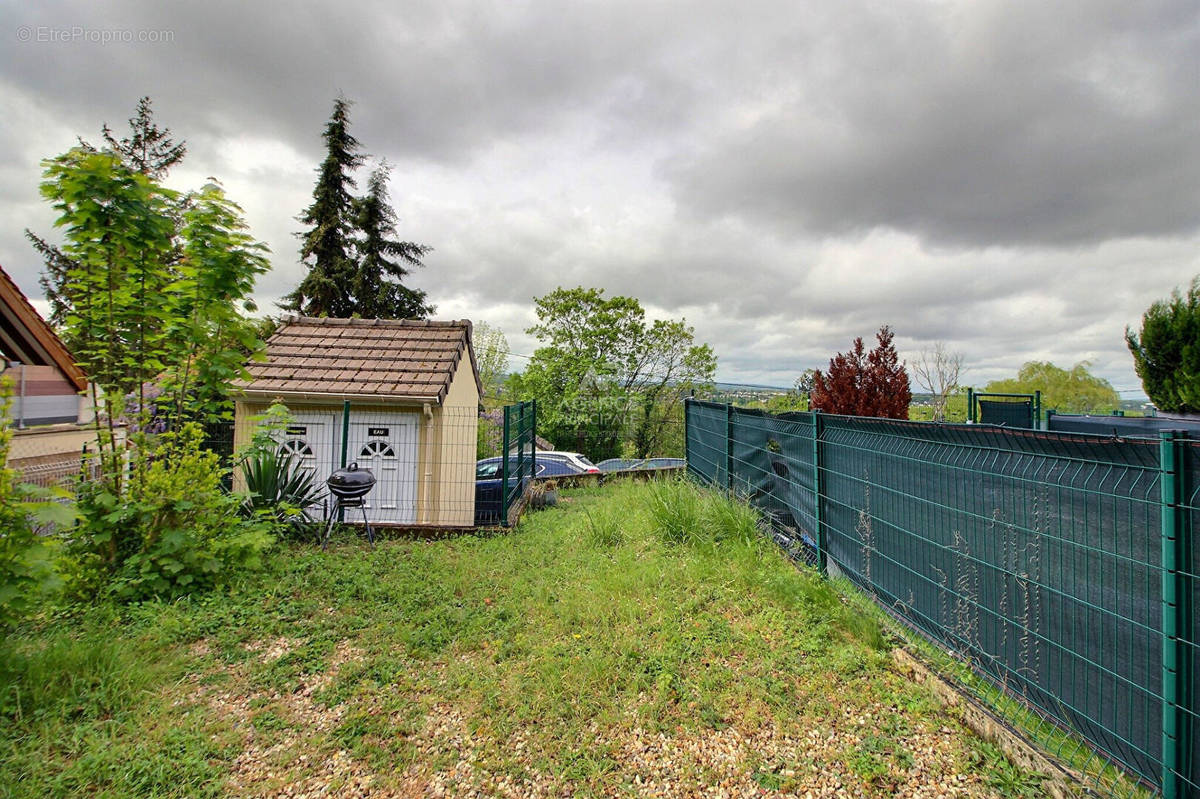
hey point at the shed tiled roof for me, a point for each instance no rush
(397, 359)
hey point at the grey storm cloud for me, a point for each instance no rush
(1015, 178)
(1029, 124)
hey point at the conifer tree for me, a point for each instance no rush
(328, 244)
(148, 151)
(1166, 351)
(861, 383)
(378, 289)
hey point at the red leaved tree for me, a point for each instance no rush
(861, 383)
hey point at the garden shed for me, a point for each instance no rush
(399, 397)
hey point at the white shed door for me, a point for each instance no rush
(387, 446)
(310, 439)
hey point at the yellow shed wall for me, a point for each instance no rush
(457, 422)
(445, 450)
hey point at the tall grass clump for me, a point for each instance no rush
(684, 513)
(605, 527)
(732, 520)
(70, 677)
(676, 512)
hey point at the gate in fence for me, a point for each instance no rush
(520, 462)
(1059, 566)
(1005, 410)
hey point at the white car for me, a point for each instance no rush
(573, 462)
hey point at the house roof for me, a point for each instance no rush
(26, 337)
(397, 359)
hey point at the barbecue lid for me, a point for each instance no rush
(351, 477)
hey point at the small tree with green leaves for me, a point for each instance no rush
(118, 291)
(605, 378)
(215, 279)
(1166, 351)
(147, 150)
(152, 291)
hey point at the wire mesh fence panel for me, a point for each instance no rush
(706, 437)
(1037, 558)
(56, 457)
(1118, 426)
(519, 461)
(773, 468)
(1039, 568)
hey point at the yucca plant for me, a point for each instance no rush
(279, 488)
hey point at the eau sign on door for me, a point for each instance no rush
(389, 449)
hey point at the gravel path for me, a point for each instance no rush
(742, 760)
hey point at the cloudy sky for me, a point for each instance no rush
(1017, 179)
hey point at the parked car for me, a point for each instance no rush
(488, 482)
(619, 464)
(568, 462)
(629, 464)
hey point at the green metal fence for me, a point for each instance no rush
(520, 464)
(1058, 566)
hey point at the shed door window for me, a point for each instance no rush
(296, 446)
(377, 449)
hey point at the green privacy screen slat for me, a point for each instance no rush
(1035, 557)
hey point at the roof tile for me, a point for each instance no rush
(401, 359)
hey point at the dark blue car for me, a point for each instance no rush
(488, 483)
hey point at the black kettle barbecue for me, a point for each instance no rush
(349, 487)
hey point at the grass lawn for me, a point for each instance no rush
(637, 640)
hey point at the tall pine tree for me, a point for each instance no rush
(379, 291)
(328, 244)
(147, 150)
(356, 263)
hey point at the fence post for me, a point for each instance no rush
(822, 546)
(729, 447)
(970, 404)
(504, 471)
(1176, 619)
(687, 443)
(522, 420)
(1037, 410)
(345, 449)
(533, 438)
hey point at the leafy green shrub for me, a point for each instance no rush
(28, 571)
(175, 530)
